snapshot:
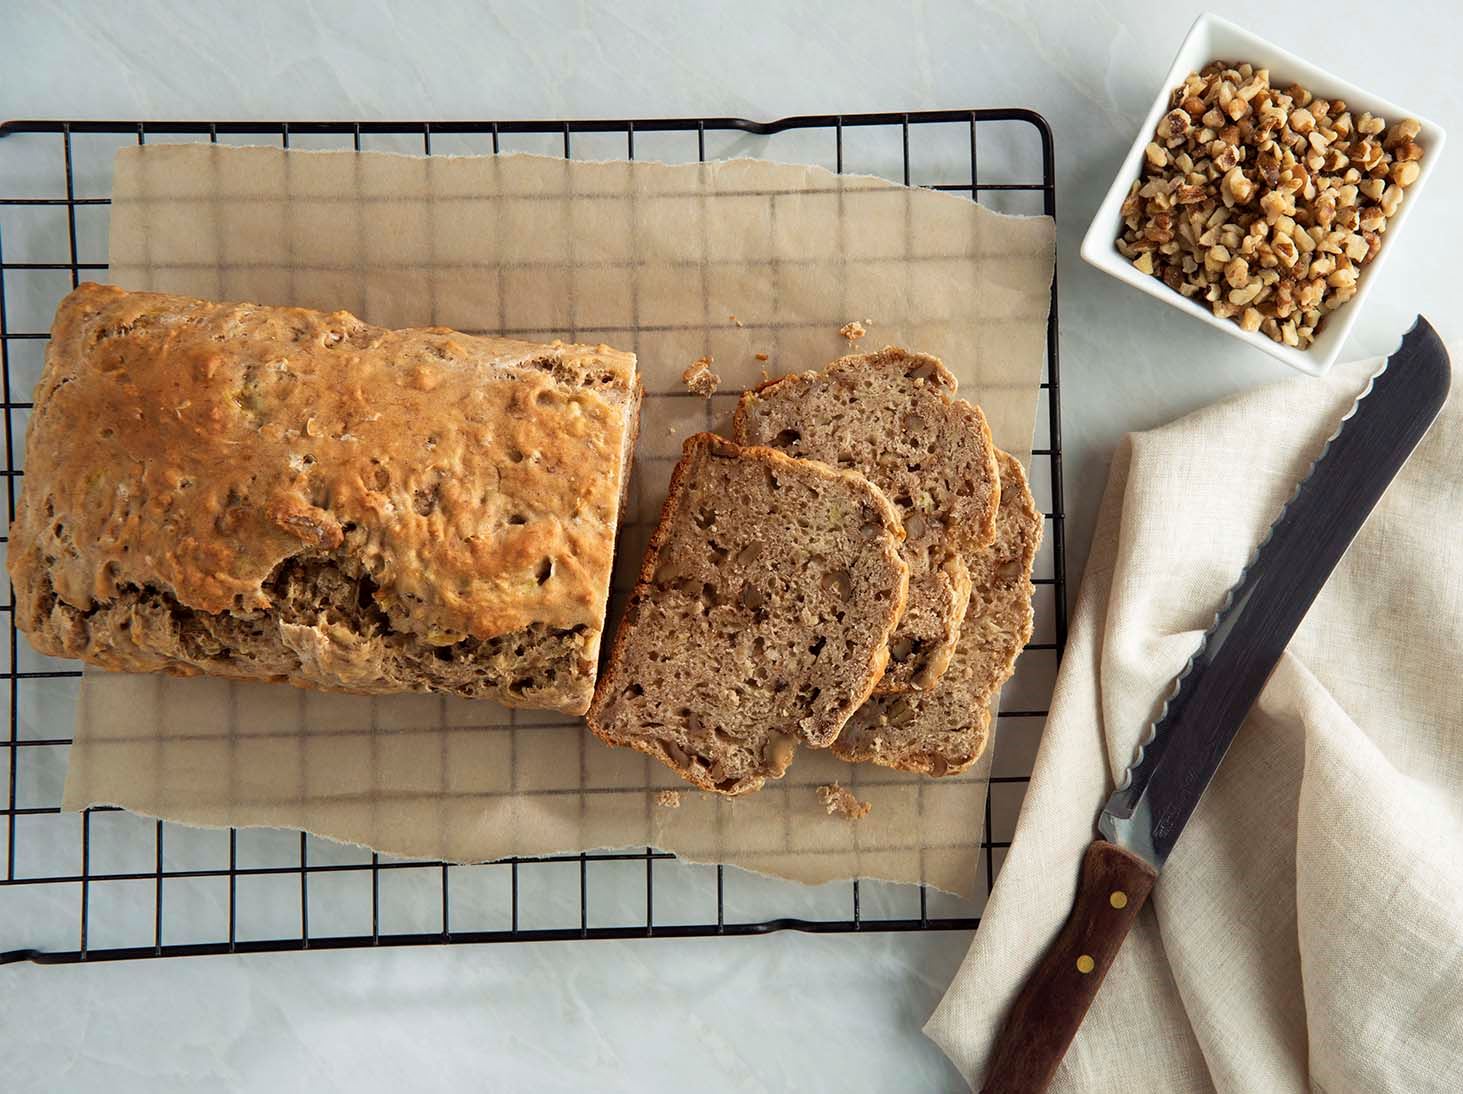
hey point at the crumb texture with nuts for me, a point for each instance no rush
(1265, 202)
(728, 653)
(840, 801)
(209, 488)
(700, 379)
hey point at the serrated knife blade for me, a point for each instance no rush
(1210, 698)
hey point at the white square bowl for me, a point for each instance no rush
(1212, 38)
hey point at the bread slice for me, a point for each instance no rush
(944, 731)
(761, 617)
(893, 416)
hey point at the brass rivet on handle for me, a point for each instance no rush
(1119, 899)
(1085, 964)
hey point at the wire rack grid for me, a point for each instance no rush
(108, 885)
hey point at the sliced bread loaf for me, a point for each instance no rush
(894, 417)
(944, 731)
(761, 617)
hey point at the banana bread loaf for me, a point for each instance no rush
(273, 493)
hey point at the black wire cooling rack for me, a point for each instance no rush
(107, 885)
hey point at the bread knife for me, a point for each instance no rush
(1209, 700)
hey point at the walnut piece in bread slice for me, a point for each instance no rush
(761, 618)
(944, 731)
(893, 416)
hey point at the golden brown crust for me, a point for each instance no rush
(675, 492)
(190, 448)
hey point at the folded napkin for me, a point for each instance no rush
(1307, 933)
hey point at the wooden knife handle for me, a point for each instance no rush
(1043, 1020)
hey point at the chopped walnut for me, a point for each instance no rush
(840, 800)
(700, 379)
(1265, 203)
(670, 799)
(852, 330)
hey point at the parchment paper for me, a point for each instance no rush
(730, 259)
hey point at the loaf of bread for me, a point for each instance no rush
(761, 618)
(893, 417)
(278, 494)
(944, 731)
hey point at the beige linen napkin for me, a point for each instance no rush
(1307, 933)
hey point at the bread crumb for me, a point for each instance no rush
(760, 356)
(735, 320)
(672, 430)
(780, 750)
(853, 330)
(700, 379)
(838, 799)
(671, 799)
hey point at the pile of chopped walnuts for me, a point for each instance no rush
(1265, 203)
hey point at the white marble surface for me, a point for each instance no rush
(786, 1012)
